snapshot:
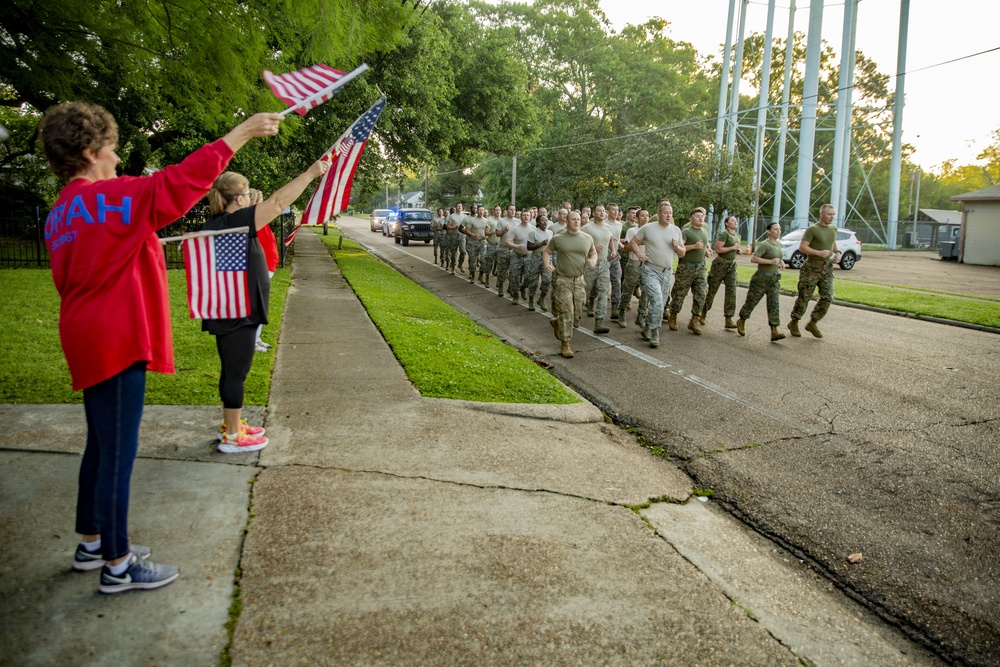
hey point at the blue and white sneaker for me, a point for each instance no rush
(140, 575)
(84, 560)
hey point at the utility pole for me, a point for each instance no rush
(513, 181)
(427, 196)
(895, 165)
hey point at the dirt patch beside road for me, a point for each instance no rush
(926, 270)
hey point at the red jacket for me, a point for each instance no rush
(270, 246)
(109, 268)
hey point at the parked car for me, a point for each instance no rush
(389, 226)
(414, 225)
(377, 219)
(847, 243)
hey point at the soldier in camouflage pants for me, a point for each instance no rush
(723, 272)
(811, 276)
(568, 300)
(763, 284)
(689, 276)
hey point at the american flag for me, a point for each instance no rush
(309, 87)
(216, 268)
(333, 193)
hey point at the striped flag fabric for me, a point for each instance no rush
(309, 87)
(216, 267)
(333, 193)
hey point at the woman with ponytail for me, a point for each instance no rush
(229, 202)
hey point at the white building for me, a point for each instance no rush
(979, 242)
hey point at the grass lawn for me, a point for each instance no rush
(971, 310)
(33, 370)
(445, 354)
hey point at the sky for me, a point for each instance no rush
(950, 112)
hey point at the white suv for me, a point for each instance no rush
(847, 243)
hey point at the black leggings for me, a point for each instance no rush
(236, 350)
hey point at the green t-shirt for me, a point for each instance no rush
(820, 238)
(728, 239)
(692, 236)
(768, 249)
(571, 252)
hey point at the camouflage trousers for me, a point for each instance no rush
(502, 267)
(598, 281)
(460, 248)
(568, 301)
(538, 278)
(689, 277)
(489, 260)
(763, 283)
(811, 276)
(439, 247)
(723, 272)
(517, 272)
(450, 248)
(631, 279)
(615, 279)
(476, 249)
(656, 292)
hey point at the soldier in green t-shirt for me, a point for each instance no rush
(723, 271)
(575, 252)
(765, 282)
(690, 274)
(819, 245)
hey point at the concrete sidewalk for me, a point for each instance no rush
(387, 528)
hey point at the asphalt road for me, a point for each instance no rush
(879, 439)
(927, 270)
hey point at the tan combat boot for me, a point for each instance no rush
(813, 329)
(693, 326)
(672, 321)
(565, 351)
(793, 328)
(531, 302)
(777, 335)
(621, 318)
(599, 327)
(741, 327)
(729, 323)
(701, 318)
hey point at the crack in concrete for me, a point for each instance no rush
(487, 487)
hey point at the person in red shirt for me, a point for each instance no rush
(229, 202)
(269, 244)
(114, 315)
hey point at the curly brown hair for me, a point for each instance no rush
(67, 129)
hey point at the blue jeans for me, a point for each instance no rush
(655, 283)
(114, 410)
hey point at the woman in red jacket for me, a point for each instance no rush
(114, 314)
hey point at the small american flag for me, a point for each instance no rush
(216, 268)
(333, 193)
(309, 87)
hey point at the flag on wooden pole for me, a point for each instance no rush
(309, 87)
(333, 193)
(216, 267)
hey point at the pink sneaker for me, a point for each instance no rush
(244, 428)
(242, 443)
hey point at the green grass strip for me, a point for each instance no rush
(444, 353)
(33, 369)
(971, 310)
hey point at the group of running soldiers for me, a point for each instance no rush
(591, 260)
